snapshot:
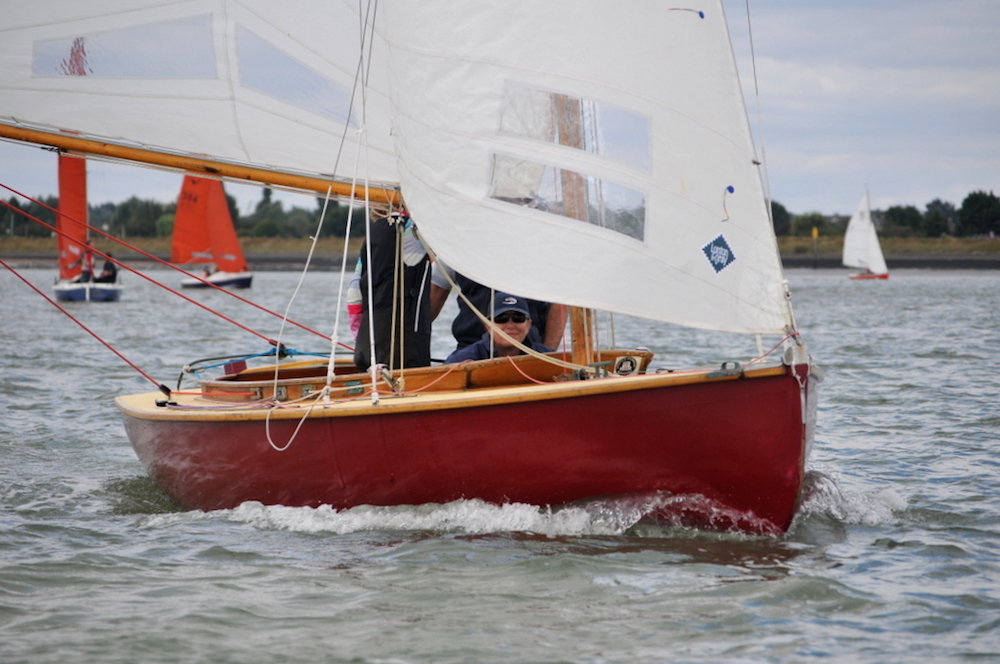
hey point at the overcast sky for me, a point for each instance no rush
(900, 95)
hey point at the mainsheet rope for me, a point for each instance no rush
(334, 338)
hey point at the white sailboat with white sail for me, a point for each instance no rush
(861, 246)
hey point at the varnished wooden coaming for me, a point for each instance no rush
(444, 387)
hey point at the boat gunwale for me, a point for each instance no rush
(188, 409)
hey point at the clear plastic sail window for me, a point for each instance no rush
(181, 48)
(583, 124)
(184, 49)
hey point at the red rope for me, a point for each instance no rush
(75, 320)
(158, 260)
(788, 336)
(510, 359)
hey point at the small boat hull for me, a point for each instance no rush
(222, 280)
(87, 292)
(738, 443)
(869, 275)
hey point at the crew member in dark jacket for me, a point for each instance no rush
(400, 341)
(510, 314)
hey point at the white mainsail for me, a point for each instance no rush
(861, 245)
(595, 154)
(252, 82)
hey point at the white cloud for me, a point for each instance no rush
(903, 95)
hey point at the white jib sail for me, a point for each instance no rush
(861, 245)
(596, 154)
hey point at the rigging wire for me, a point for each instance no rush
(151, 257)
(163, 388)
(760, 122)
(762, 162)
(359, 77)
(363, 150)
(146, 277)
(331, 365)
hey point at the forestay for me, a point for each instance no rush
(596, 154)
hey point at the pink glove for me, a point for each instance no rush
(354, 314)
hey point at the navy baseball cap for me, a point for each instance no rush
(506, 302)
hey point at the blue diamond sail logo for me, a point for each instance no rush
(719, 253)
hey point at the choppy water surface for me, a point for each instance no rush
(895, 556)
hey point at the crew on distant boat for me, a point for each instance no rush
(548, 320)
(511, 315)
(109, 272)
(87, 265)
(398, 343)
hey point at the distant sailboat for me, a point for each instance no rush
(204, 233)
(861, 247)
(76, 260)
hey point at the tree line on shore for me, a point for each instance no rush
(978, 215)
(148, 218)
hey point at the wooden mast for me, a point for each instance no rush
(569, 121)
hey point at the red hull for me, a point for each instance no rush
(870, 276)
(739, 443)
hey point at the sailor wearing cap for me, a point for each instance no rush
(510, 314)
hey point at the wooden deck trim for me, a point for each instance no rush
(142, 406)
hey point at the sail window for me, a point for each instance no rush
(172, 49)
(267, 69)
(569, 194)
(575, 122)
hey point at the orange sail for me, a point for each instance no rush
(203, 227)
(72, 217)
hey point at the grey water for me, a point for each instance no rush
(893, 557)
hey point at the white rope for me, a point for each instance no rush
(490, 325)
(331, 365)
(302, 420)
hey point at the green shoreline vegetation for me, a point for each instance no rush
(787, 245)
(941, 229)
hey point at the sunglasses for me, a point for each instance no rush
(515, 316)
